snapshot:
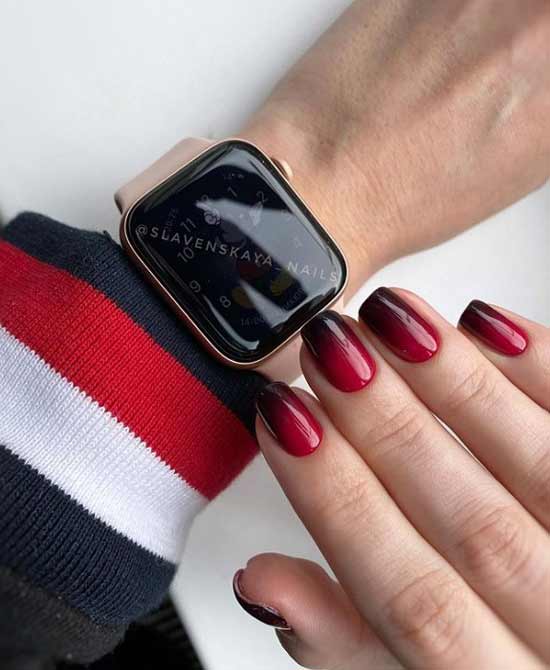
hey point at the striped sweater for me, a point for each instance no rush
(116, 429)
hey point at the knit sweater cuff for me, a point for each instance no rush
(115, 427)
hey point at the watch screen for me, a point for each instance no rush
(241, 255)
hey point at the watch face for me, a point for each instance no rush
(237, 250)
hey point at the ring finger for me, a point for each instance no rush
(500, 424)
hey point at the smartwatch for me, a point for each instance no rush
(220, 233)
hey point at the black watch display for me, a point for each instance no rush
(235, 251)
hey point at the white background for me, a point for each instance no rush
(92, 92)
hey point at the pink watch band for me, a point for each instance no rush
(178, 155)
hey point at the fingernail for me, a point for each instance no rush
(264, 613)
(339, 353)
(288, 419)
(399, 326)
(494, 329)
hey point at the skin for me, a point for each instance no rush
(408, 122)
(411, 120)
(441, 558)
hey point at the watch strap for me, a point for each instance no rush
(170, 162)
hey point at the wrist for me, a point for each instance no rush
(328, 183)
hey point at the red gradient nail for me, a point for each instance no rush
(494, 329)
(339, 353)
(264, 613)
(288, 419)
(399, 326)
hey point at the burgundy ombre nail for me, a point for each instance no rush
(399, 326)
(288, 419)
(494, 329)
(263, 613)
(339, 352)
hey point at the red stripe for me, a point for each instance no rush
(94, 344)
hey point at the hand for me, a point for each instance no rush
(411, 120)
(441, 555)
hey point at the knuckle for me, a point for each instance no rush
(401, 429)
(347, 506)
(537, 489)
(477, 386)
(496, 549)
(540, 354)
(429, 614)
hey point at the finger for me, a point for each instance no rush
(421, 608)
(504, 428)
(326, 630)
(454, 502)
(519, 348)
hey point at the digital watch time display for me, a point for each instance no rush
(235, 251)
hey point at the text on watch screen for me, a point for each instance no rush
(236, 251)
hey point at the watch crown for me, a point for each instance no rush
(283, 167)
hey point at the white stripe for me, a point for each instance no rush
(80, 447)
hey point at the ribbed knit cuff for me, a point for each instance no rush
(115, 427)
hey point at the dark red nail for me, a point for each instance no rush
(263, 613)
(399, 326)
(339, 352)
(288, 419)
(494, 329)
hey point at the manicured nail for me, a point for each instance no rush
(288, 419)
(339, 353)
(494, 329)
(264, 613)
(399, 326)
